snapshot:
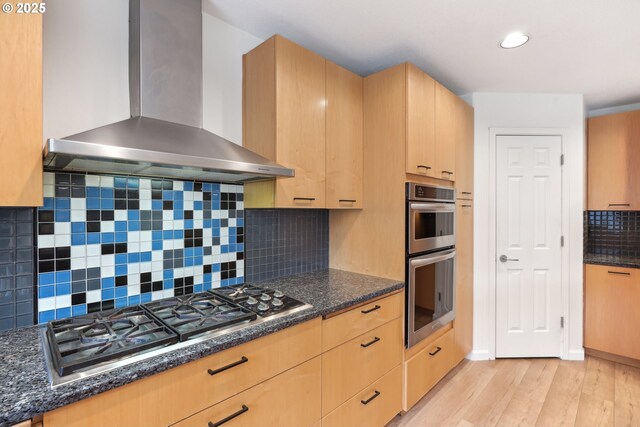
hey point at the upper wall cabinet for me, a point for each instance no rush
(345, 139)
(464, 150)
(21, 109)
(613, 159)
(433, 117)
(421, 122)
(305, 113)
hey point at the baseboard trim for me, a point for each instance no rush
(479, 355)
(613, 357)
(575, 354)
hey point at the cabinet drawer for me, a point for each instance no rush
(349, 368)
(339, 329)
(173, 395)
(383, 401)
(428, 367)
(289, 399)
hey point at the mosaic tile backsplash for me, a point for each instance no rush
(113, 241)
(283, 242)
(613, 233)
(16, 267)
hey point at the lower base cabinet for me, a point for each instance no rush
(373, 407)
(291, 399)
(428, 367)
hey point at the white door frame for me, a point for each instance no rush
(493, 134)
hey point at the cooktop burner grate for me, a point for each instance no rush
(198, 313)
(83, 341)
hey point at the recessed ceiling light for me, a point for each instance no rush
(514, 40)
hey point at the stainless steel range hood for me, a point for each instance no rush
(164, 137)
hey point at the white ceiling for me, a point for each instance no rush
(577, 46)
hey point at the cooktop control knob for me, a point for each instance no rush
(252, 301)
(278, 294)
(263, 307)
(265, 297)
(277, 302)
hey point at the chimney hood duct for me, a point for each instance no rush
(164, 136)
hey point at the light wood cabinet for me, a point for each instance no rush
(21, 109)
(178, 393)
(434, 119)
(346, 326)
(611, 310)
(284, 120)
(421, 122)
(463, 323)
(291, 399)
(447, 122)
(612, 162)
(464, 150)
(344, 138)
(428, 367)
(373, 407)
(349, 368)
(304, 113)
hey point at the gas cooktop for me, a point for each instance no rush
(91, 344)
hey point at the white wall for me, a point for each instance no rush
(502, 110)
(85, 65)
(222, 48)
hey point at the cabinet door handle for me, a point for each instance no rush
(377, 307)
(244, 409)
(308, 199)
(466, 206)
(375, 340)
(437, 350)
(619, 204)
(375, 394)
(448, 172)
(229, 366)
(620, 273)
(347, 200)
(466, 192)
(424, 167)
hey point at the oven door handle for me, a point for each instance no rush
(431, 207)
(432, 259)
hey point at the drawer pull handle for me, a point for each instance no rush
(448, 172)
(466, 192)
(466, 206)
(308, 199)
(424, 167)
(437, 350)
(244, 409)
(347, 200)
(375, 394)
(377, 307)
(229, 366)
(621, 273)
(619, 204)
(372, 342)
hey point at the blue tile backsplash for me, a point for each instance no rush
(112, 241)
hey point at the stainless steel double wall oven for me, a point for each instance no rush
(430, 259)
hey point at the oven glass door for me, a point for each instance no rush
(431, 226)
(431, 294)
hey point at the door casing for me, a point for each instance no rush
(493, 134)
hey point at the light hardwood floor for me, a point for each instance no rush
(531, 392)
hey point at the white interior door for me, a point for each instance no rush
(528, 258)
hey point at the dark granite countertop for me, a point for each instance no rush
(25, 390)
(612, 260)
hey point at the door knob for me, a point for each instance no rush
(503, 258)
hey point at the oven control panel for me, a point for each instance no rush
(430, 193)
